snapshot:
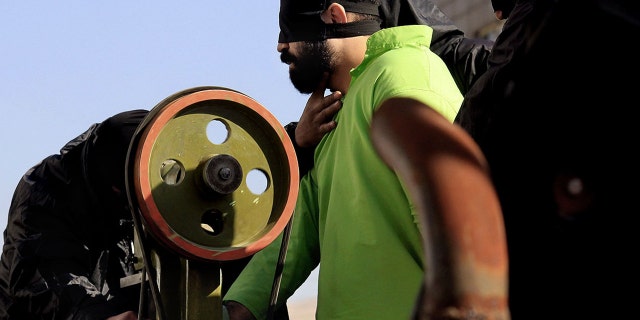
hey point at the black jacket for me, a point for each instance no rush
(68, 235)
(555, 121)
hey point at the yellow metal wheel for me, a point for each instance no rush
(215, 175)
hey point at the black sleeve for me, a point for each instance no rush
(467, 59)
(305, 155)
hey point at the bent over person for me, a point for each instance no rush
(353, 215)
(69, 233)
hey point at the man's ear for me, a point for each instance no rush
(335, 13)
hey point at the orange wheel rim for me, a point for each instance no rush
(181, 172)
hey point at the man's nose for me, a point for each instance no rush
(282, 46)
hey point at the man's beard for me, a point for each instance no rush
(310, 65)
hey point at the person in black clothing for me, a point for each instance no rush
(554, 121)
(475, 112)
(69, 233)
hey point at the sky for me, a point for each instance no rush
(65, 65)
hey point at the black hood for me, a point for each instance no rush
(106, 152)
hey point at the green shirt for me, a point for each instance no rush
(352, 211)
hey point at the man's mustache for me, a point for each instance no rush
(287, 58)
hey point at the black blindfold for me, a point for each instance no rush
(300, 21)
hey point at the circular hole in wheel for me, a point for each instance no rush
(212, 222)
(257, 181)
(217, 131)
(172, 172)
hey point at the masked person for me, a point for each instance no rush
(556, 130)
(69, 234)
(353, 215)
(69, 230)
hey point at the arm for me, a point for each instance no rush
(250, 292)
(236, 311)
(447, 179)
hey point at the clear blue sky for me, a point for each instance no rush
(67, 64)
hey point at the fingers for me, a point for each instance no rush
(317, 118)
(331, 104)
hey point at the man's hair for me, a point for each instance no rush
(355, 16)
(376, 2)
(361, 16)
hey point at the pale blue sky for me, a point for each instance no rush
(67, 64)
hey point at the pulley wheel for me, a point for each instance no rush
(215, 174)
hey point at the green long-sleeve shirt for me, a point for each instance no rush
(353, 216)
